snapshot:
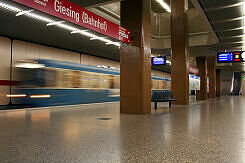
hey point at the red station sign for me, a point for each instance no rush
(73, 13)
(193, 70)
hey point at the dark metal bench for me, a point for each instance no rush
(162, 96)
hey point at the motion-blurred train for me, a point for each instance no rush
(52, 83)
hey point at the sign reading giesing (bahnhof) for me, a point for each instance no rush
(73, 13)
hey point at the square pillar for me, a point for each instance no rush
(180, 51)
(211, 60)
(135, 59)
(218, 83)
(202, 66)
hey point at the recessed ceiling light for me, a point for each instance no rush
(55, 23)
(23, 12)
(164, 5)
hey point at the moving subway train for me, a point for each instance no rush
(49, 83)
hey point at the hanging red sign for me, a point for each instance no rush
(73, 13)
(193, 70)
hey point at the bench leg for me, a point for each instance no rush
(170, 104)
(155, 105)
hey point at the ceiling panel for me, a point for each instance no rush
(228, 13)
(87, 3)
(228, 25)
(226, 17)
(217, 3)
(231, 40)
(230, 33)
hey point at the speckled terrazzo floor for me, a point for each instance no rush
(211, 131)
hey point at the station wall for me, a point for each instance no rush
(226, 82)
(5, 53)
(91, 60)
(243, 84)
(27, 50)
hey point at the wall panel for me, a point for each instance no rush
(5, 53)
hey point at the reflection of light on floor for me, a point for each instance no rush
(42, 116)
(232, 106)
(16, 114)
(194, 120)
(71, 133)
(18, 117)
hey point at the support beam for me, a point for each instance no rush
(202, 66)
(211, 60)
(218, 83)
(180, 51)
(135, 59)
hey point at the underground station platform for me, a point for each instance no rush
(122, 81)
(206, 131)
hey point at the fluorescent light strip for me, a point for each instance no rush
(78, 31)
(109, 43)
(9, 7)
(15, 95)
(29, 65)
(57, 23)
(164, 5)
(23, 12)
(40, 96)
(94, 38)
(39, 17)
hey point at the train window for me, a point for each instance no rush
(106, 81)
(164, 84)
(117, 82)
(92, 80)
(50, 76)
(101, 81)
(66, 79)
(30, 77)
(84, 79)
(59, 78)
(111, 81)
(75, 79)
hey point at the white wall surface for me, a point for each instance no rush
(243, 84)
(26, 50)
(5, 54)
(96, 61)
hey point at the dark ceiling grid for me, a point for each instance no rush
(87, 3)
(226, 17)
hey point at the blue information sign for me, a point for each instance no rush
(225, 57)
(158, 61)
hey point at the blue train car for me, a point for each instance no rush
(53, 83)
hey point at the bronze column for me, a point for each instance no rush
(218, 83)
(202, 66)
(212, 76)
(135, 59)
(180, 51)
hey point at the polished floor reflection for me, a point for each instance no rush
(205, 131)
